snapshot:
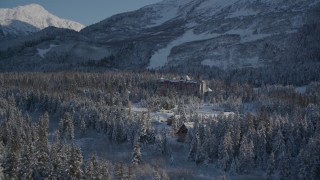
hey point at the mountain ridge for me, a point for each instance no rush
(215, 38)
(22, 20)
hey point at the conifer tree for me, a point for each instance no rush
(118, 173)
(92, 169)
(234, 168)
(157, 176)
(270, 167)
(83, 127)
(163, 143)
(11, 164)
(193, 147)
(105, 171)
(261, 147)
(58, 158)
(12, 156)
(278, 145)
(285, 167)
(43, 160)
(130, 174)
(201, 154)
(28, 161)
(136, 155)
(1, 172)
(225, 152)
(76, 162)
(246, 155)
(66, 127)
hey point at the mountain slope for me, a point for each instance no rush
(23, 20)
(236, 39)
(174, 25)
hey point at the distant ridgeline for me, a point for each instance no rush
(183, 86)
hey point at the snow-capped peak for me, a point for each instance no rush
(31, 18)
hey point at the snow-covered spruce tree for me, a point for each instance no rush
(309, 160)
(213, 147)
(59, 158)
(193, 147)
(261, 146)
(28, 160)
(2, 155)
(4, 132)
(92, 169)
(76, 162)
(66, 127)
(118, 172)
(145, 131)
(278, 146)
(11, 159)
(292, 145)
(223, 177)
(105, 172)
(130, 173)
(225, 152)
(246, 155)
(163, 143)
(206, 147)
(83, 127)
(201, 153)
(156, 176)
(270, 167)
(285, 167)
(11, 165)
(236, 134)
(136, 155)
(1, 172)
(234, 168)
(42, 154)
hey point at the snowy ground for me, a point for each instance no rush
(159, 59)
(301, 89)
(176, 165)
(43, 52)
(206, 110)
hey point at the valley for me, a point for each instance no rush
(178, 89)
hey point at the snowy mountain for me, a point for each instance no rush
(214, 33)
(23, 20)
(243, 38)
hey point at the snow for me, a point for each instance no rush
(214, 5)
(227, 63)
(301, 89)
(212, 63)
(166, 15)
(189, 125)
(36, 16)
(191, 25)
(43, 52)
(211, 110)
(242, 12)
(159, 58)
(165, 11)
(247, 35)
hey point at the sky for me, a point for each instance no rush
(86, 12)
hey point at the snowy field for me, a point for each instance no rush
(43, 52)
